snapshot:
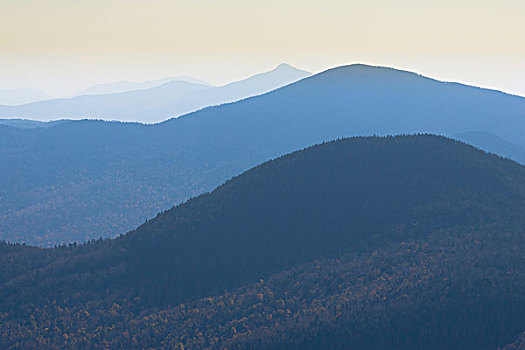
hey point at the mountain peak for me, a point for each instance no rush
(284, 66)
(368, 69)
(287, 67)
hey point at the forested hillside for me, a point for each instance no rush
(402, 242)
(518, 344)
(82, 180)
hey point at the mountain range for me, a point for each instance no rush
(404, 242)
(152, 101)
(79, 180)
(123, 86)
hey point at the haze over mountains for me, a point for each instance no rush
(13, 97)
(265, 207)
(20, 96)
(90, 178)
(369, 243)
(123, 86)
(152, 101)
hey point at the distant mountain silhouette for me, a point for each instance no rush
(283, 74)
(123, 86)
(85, 179)
(12, 97)
(130, 105)
(153, 104)
(405, 242)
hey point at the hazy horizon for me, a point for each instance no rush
(187, 77)
(62, 47)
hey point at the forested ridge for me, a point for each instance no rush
(403, 242)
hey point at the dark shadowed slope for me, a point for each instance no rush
(80, 180)
(154, 104)
(397, 242)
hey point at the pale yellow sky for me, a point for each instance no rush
(63, 45)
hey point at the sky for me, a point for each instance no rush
(63, 46)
